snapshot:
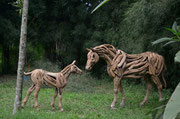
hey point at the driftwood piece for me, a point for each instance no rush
(122, 65)
(56, 80)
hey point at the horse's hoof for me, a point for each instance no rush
(53, 108)
(113, 108)
(61, 110)
(22, 106)
(160, 100)
(142, 104)
(122, 104)
(37, 109)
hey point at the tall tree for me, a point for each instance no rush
(22, 53)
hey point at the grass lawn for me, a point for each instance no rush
(84, 97)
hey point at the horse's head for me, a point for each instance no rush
(92, 58)
(75, 69)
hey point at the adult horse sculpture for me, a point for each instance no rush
(56, 80)
(122, 65)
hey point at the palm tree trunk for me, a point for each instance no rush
(21, 61)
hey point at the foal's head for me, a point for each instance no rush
(92, 58)
(74, 68)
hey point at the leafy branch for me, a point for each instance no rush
(102, 3)
(19, 5)
(175, 30)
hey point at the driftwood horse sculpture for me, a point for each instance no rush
(56, 80)
(122, 65)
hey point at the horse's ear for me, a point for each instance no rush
(88, 49)
(93, 50)
(74, 62)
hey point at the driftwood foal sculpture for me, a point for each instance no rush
(56, 80)
(122, 65)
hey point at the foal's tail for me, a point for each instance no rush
(27, 74)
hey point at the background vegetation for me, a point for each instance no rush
(60, 27)
(60, 30)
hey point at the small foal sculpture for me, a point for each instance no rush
(56, 80)
(122, 65)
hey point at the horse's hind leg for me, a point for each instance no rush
(159, 86)
(149, 86)
(36, 97)
(28, 94)
(116, 86)
(123, 95)
(53, 99)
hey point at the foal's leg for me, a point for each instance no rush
(28, 94)
(60, 100)
(123, 95)
(159, 86)
(53, 99)
(36, 97)
(116, 85)
(149, 86)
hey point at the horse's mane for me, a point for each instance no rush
(105, 49)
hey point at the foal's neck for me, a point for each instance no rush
(66, 71)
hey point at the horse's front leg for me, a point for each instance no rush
(54, 97)
(60, 100)
(116, 85)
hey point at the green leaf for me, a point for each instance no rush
(160, 116)
(178, 116)
(161, 40)
(173, 31)
(178, 33)
(169, 43)
(178, 28)
(103, 2)
(173, 106)
(19, 5)
(174, 26)
(177, 57)
(156, 109)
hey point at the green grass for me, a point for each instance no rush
(84, 97)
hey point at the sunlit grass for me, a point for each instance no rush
(83, 98)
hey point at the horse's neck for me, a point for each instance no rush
(106, 52)
(107, 58)
(111, 57)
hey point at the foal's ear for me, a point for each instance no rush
(88, 49)
(74, 62)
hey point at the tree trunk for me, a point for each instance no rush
(21, 61)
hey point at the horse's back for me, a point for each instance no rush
(156, 63)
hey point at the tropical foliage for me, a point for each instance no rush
(174, 39)
(60, 30)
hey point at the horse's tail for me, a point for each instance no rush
(27, 74)
(162, 77)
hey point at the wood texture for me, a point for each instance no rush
(56, 80)
(122, 65)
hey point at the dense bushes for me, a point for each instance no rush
(60, 30)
